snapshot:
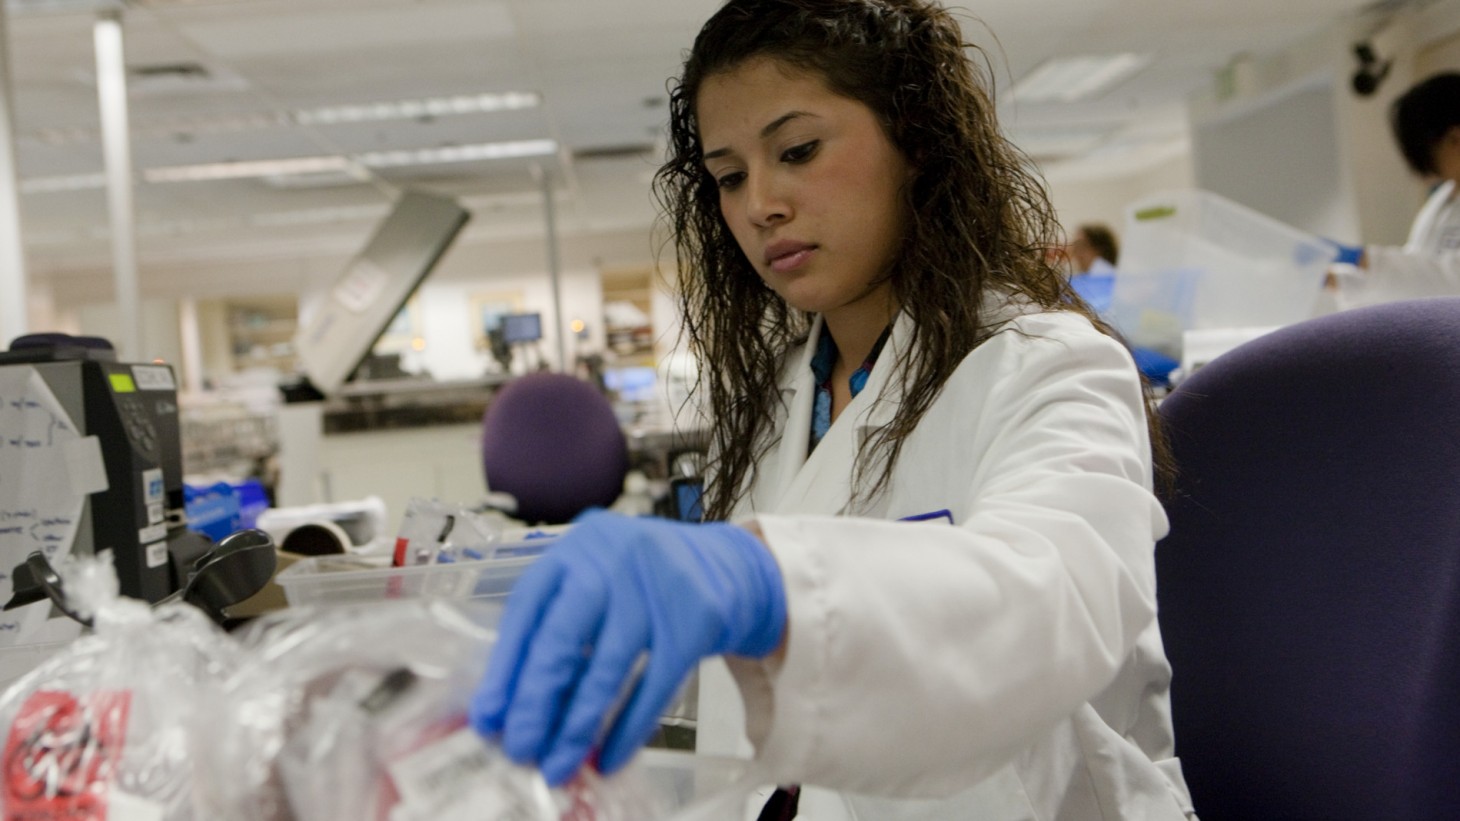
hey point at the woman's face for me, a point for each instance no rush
(1447, 156)
(810, 185)
(1082, 252)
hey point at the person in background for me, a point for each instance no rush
(1092, 254)
(929, 560)
(1426, 124)
(1093, 250)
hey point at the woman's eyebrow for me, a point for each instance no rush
(769, 129)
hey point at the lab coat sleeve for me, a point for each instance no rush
(1428, 264)
(1404, 273)
(922, 657)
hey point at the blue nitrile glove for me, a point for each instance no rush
(576, 623)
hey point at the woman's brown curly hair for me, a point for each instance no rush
(978, 218)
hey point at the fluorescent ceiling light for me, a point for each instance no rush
(1152, 148)
(458, 153)
(238, 170)
(22, 7)
(1044, 143)
(330, 115)
(328, 165)
(411, 109)
(317, 216)
(324, 179)
(374, 159)
(53, 185)
(1066, 80)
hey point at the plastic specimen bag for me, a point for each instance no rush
(106, 730)
(358, 714)
(334, 714)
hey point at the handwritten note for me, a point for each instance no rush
(41, 498)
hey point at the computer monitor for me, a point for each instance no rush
(686, 494)
(521, 328)
(632, 383)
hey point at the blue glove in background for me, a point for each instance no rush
(1346, 254)
(611, 589)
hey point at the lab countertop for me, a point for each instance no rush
(406, 403)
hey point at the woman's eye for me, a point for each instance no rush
(730, 180)
(800, 153)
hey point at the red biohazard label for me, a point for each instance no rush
(62, 754)
(395, 584)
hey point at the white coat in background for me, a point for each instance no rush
(1007, 666)
(1427, 265)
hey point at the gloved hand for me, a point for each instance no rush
(612, 588)
(1347, 254)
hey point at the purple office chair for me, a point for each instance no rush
(552, 441)
(1309, 589)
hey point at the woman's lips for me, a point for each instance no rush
(789, 257)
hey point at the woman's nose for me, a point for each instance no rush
(766, 202)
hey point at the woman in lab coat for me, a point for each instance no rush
(934, 580)
(1426, 122)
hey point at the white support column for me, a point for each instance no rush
(111, 88)
(13, 298)
(550, 216)
(192, 345)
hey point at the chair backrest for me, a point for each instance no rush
(553, 442)
(1309, 590)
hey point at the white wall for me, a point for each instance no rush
(666, 316)
(1386, 193)
(1289, 137)
(1083, 199)
(476, 268)
(1442, 53)
(159, 326)
(1281, 158)
(448, 324)
(475, 264)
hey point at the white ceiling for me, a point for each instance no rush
(600, 66)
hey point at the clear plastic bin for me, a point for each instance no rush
(689, 787)
(1193, 260)
(20, 659)
(332, 580)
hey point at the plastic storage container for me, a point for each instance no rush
(1193, 260)
(692, 787)
(18, 660)
(329, 580)
(689, 787)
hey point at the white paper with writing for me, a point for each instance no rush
(457, 778)
(40, 500)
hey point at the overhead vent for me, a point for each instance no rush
(189, 72)
(614, 152)
(180, 77)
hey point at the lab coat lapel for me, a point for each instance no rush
(798, 392)
(822, 483)
(1428, 218)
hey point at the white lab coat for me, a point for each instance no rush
(1427, 265)
(1005, 667)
